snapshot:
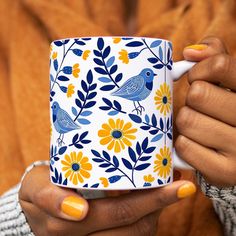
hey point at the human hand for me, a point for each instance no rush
(52, 210)
(207, 139)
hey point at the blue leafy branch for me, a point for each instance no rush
(106, 67)
(79, 140)
(85, 99)
(57, 178)
(110, 164)
(55, 153)
(115, 107)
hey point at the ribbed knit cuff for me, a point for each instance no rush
(12, 219)
(224, 202)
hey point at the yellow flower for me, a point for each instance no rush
(70, 90)
(54, 55)
(148, 178)
(116, 134)
(76, 70)
(76, 167)
(163, 99)
(104, 181)
(85, 54)
(163, 162)
(124, 57)
(116, 40)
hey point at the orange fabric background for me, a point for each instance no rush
(26, 29)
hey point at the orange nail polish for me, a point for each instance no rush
(73, 206)
(198, 47)
(186, 190)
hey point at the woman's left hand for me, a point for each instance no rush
(207, 139)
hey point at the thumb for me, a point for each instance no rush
(207, 47)
(59, 202)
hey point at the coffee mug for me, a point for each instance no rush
(111, 112)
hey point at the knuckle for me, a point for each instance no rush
(145, 227)
(53, 227)
(220, 64)
(181, 144)
(184, 119)
(43, 195)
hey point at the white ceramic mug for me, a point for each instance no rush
(111, 112)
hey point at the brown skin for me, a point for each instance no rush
(207, 142)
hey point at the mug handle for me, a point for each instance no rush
(179, 68)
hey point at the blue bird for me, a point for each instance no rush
(62, 121)
(137, 88)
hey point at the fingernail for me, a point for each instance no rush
(73, 206)
(186, 190)
(198, 47)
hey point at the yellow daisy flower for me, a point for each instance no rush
(76, 70)
(70, 90)
(116, 134)
(163, 162)
(148, 178)
(163, 99)
(124, 57)
(54, 55)
(76, 167)
(116, 40)
(104, 182)
(85, 54)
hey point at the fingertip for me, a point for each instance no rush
(195, 52)
(187, 189)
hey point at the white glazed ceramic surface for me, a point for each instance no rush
(111, 112)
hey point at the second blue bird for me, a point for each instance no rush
(62, 121)
(137, 88)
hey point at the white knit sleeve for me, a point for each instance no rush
(12, 219)
(224, 202)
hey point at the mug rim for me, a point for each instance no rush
(124, 36)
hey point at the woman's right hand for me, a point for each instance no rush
(52, 210)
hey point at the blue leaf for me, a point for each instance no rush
(106, 52)
(84, 121)
(145, 127)
(110, 61)
(85, 186)
(155, 43)
(114, 178)
(62, 150)
(168, 123)
(147, 119)
(95, 185)
(81, 95)
(60, 178)
(158, 66)
(97, 160)
(104, 165)
(117, 105)
(170, 45)
(104, 79)
(149, 150)
(118, 77)
(86, 113)
(77, 145)
(56, 173)
(75, 138)
(138, 148)
(142, 166)
(135, 118)
(157, 138)
(115, 161)
(100, 70)
(56, 158)
(97, 53)
(145, 143)
(64, 182)
(86, 39)
(63, 89)
(133, 55)
(107, 101)
(100, 43)
(107, 87)
(63, 78)
(106, 155)
(95, 153)
(168, 181)
(58, 43)
(92, 95)
(147, 184)
(92, 87)
(55, 150)
(98, 61)
(153, 60)
(78, 103)
(110, 169)
(113, 113)
(66, 41)
(51, 77)
(161, 124)
(67, 70)
(168, 54)
(113, 69)
(90, 77)
(132, 154)
(145, 158)
(160, 53)
(159, 182)
(134, 44)
(169, 67)
(84, 86)
(83, 135)
(154, 131)
(105, 108)
(85, 141)
(169, 136)
(79, 42)
(55, 64)
(127, 164)
(77, 52)
(90, 104)
(154, 120)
